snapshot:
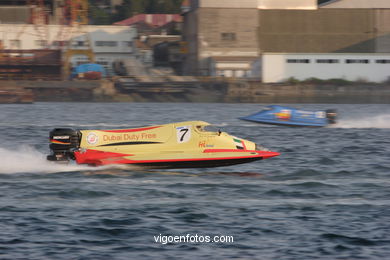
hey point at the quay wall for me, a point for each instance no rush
(203, 91)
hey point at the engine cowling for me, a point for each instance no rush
(331, 115)
(63, 142)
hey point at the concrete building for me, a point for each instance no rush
(377, 14)
(356, 4)
(108, 43)
(226, 37)
(348, 39)
(223, 35)
(325, 30)
(219, 29)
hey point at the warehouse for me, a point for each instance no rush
(227, 38)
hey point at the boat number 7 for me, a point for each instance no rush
(184, 131)
(183, 134)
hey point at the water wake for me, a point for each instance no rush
(379, 121)
(26, 159)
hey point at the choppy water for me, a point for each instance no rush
(326, 197)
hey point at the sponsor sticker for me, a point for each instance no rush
(92, 138)
(284, 114)
(61, 137)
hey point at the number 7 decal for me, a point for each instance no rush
(183, 134)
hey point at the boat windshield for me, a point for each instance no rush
(208, 128)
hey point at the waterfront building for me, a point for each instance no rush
(108, 43)
(361, 67)
(229, 38)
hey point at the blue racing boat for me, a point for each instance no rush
(288, 116)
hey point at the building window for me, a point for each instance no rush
(106, 43)
(60, 43)
(219, 73)
(298, 61)
(228, 36)
(327, 61)
(127, 44)
(382, 61)
(239, 73)
(78, 43)
(356, 61)
(103, 63)
(228, 73)
(15, 44)
(41, 43)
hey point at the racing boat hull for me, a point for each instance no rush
(287, 116)
(177, 145)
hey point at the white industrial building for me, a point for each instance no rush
(279, 67)
(108, 43)
(368, 66)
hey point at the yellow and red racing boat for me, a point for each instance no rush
(177, 145)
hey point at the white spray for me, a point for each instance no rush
(27, 159)
(378, 121)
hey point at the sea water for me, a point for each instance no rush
(327, 196)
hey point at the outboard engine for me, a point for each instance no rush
(63, 142)
(331, 115)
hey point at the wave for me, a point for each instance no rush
(26, 159)
(379, 121)
(360, 241)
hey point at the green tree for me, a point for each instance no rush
(172, 6)
(138, 6)
(122, 11)
(99, 16)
